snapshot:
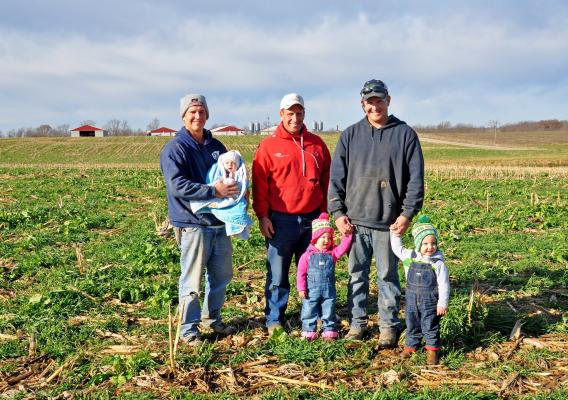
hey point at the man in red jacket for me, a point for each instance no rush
(290, 177)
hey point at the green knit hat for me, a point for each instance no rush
(422, 228)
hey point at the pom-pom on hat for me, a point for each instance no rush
(320, 226)
(422, 228)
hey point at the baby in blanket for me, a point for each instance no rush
(231, 168)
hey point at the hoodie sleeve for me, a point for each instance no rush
(398, 249)
(302, 275)
(342, 248)
(176, 177)
(338, 179)
(443, 279)
(260, 176)
(414, 196)
(324, 179)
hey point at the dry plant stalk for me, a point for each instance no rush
(178, 328)
(32, 347)
(470, 306)
(170, 339)
(79, 255)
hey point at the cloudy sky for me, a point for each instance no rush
(66, 61)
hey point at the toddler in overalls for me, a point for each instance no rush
(427, 288)
(316, 280)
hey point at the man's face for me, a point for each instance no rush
(377, 110)
(195, 118)
(293, 118)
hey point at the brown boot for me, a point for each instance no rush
(407, 353)
(432, 357)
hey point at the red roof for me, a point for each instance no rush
(87, 128)
(163, 129)
(228, 128)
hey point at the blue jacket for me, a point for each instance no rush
(184, 163)
(376, 174)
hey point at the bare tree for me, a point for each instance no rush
(112, 127)
(125, 129)
(42, 130)
(88, 122)
(62, 130)
(494, 124)
(154, 124)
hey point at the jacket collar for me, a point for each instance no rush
(282, 133)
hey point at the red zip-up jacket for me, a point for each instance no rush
(290, 173)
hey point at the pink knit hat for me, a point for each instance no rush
(320, 226)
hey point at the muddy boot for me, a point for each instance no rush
(432, 357)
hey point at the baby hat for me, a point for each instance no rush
(422, 228)
(232, 155)
(320, 226)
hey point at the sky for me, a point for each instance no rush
(471, 62)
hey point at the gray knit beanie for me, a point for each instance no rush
(192, 100)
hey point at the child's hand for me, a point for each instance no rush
(302, 294)
(441, 311)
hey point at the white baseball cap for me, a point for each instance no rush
(290, 99)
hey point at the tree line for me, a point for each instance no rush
(523, 126)
(114, 127)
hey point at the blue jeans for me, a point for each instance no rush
(292, 235)
(367, 243)
(209, 249)
(421, 303)
(320, 299)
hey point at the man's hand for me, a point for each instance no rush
(302, 294)
(441, 311)
(266, 227)
(344, 225)
(225, 190)
(400, 225)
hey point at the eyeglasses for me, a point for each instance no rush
(374, 86)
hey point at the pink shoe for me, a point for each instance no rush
(329, 335)
(309, 336)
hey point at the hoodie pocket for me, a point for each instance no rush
(372, 199)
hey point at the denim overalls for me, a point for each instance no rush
(421, 303)
(320, 301)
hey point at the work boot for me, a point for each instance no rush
(222, 328)
(355, 333)
(388, 338)
(191, 340)
(432, 357)
(407, 353)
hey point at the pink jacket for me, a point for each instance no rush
(335, 251)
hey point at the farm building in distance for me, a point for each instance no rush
(88, 131)
(269, 130)
(228, 130)
(163, 131)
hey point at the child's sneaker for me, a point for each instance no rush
(309, 336)
(329, 335)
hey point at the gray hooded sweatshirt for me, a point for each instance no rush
(377, 174)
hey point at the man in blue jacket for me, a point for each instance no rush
(201, 238)
(377, 182)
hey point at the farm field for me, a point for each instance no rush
(87, 282)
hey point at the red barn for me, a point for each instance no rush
(163, 131)
(87, 131)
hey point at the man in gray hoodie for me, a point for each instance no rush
(377, 181)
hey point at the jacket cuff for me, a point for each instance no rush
(408, 214)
